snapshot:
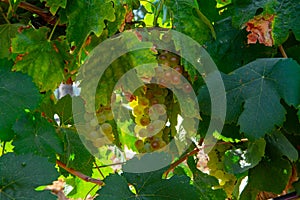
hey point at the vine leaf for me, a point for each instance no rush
(237, 161)
(55, 5)
(188, 19)
(281, 144)
(20, 175)
(285, 12)
(39, 56)
(148, 185)
(7, 31)
(259, 180)
(258, 87)
(34, 134)
(85, 17)
(17, 93)
(75, 155)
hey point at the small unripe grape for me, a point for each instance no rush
(94, 122)
(109, 115)
(101, 118)
(106, 128)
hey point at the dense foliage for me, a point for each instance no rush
(254, 43)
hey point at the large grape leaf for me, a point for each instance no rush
(20, 175)
(148, 185)
(75, 154)
(254, 92)
(7, 32)
(188, 19)
(85, 17)
(270, 175)
(17, 92)
(34, 134)
(55, 5)
(285, 12)
(40, 58)
(237, 161)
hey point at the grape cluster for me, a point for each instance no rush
(217, 168)
(155, 104)
(150, 112)
(98, 128)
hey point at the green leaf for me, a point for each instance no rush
(299, 112)
(188, 19)
(116, 188)
(34, 134)
(257, 87)
(114, 26)
(63, 108)
(55, 5)
(7, 32)
(41, 59)
(75, 154)
(17, 93)
(86, 17)
(285, 12)
(148, 185)
(281, 144)
(270, 175)
(237, 161)
(20, 175)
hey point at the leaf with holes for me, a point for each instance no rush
(20, 175)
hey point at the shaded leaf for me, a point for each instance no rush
(17, 93)
(41, 59)
(20, 175)
(34, 134)
(148, 185)
(280, 143)
(7, 32)
(75, 154)
(188, 19)
(270, 175)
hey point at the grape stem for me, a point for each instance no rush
(79, 174)
(282, 51)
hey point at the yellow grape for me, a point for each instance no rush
(106, 128)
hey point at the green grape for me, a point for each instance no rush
(143, 101)
(217, 168)
(106, 128)
(137, 110)
(101, 117)
(109, 115)
(94, 122)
